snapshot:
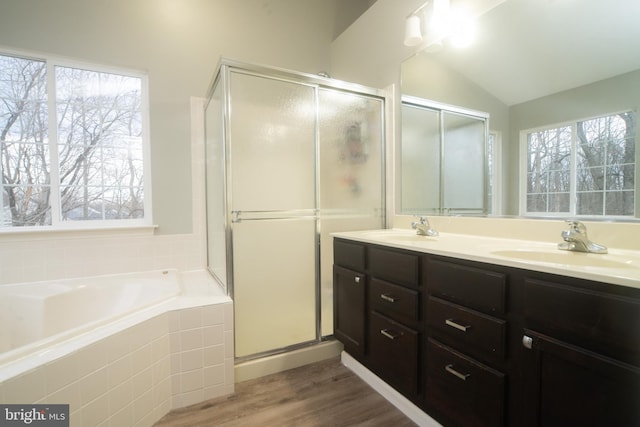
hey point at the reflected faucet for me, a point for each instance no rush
(575, 239)
(423, 228)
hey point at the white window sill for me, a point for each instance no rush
(38, 233)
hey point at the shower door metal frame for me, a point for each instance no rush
(223, 76)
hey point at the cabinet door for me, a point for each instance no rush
(349, 310)
(567, 385)
(394, 353)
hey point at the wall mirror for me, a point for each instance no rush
(561, 74)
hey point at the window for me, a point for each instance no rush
(72, 145)
(582, 169)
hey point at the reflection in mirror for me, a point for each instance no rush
(443, 159)
(539, 66)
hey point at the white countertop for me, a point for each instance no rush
(618, 267)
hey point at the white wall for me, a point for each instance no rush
(179, 43)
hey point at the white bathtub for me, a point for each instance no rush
(120, 349)
(39, 315)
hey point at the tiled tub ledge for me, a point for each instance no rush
(134, 369)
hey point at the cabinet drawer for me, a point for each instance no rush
(394, 353)
(395, 301)
(394, 266)
(467, 327)
(605, 323)
(462, 389)
(350, 255)
(480, 289)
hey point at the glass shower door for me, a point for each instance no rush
(272, 153)
(350, 131)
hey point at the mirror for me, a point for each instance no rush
(538, 64)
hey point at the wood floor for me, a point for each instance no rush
(322, 394)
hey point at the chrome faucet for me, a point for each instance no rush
(575, 239)
(423, 228)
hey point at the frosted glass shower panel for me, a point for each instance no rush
(351, 176)
(274, 268)
(420, 157)
(350, 131)
(215, 181)
(463, 163)
(272, 128)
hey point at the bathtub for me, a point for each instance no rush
(120, 349)
(38, 315)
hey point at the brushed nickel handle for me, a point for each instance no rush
(458, 326)
(387, 298)
(527, 342)
(357, 279)
(389, 334)
(463, 377)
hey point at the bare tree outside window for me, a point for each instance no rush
(98, 145)
(24, 150)
(591, 176)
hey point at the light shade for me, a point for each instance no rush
(412, 32)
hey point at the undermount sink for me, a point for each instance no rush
(568, 258)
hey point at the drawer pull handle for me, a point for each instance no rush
(388, 298)
(357, 279)
(463, 377)
(388, 334)
(458, 326)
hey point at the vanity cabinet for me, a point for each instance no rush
(581, 354)
(478, 344)
(466, 346)
(349, 291)
(395, 321)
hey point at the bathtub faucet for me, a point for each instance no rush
(423, 228)
(575, 239)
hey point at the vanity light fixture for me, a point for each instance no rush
(429, 27)
(412, 31)
(413, 26)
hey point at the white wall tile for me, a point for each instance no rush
(191, 339)
(120, 396)
(120, 370)
(213, 315)
(192, 359)
(191, 318)
(60, 373)
(123, 417)
(93, 385)
(214, 355)
(191, 380)
(28, 387)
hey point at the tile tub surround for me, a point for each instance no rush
(168, 357)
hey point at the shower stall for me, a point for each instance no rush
(290, 158)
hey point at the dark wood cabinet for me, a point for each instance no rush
(581, 355)
(394, 353)
(465, 391)
(465, 357)
(478, 344)
(567, 385)
(349, 309)
(395, 321)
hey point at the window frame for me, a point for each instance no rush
(57, 223)
(573, 125)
